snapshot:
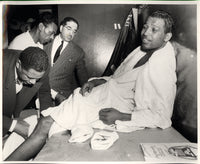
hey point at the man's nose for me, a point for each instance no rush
(147, 31)
(72, 32)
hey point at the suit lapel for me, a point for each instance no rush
(65, 55)
(48, 50)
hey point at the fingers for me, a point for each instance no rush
(22, 128)
(87, 88)
(105, 110)
(103, 115)
(83, 89)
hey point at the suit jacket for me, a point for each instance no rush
(13, 104)
(69, 71)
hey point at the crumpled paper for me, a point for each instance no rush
(103, 140)
(81, 133)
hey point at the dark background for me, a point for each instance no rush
(97, 35)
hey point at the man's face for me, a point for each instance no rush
(68, 31)
(28, 77)
(153, 34)
(47, 32)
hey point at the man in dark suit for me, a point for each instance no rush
(68, 69)
(25, 73)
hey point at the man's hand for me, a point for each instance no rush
(87, 88)
(110, 115)
(59, 98)
(22, 128)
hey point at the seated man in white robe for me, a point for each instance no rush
(140, 93)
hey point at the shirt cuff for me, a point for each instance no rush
(103, 77)
(12, 127)
(53, 94)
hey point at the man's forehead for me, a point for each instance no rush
(32, 73)
(71, 24)
(52, 26)
(156, 21)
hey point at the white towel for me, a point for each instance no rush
(125, 126)
(15, 140)
(98, 124)
(81, 133)
(103, 140)
(119, 126)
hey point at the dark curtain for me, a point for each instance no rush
(127, 41)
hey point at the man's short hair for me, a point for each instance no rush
(169, 23)
(35, 58)
(45, 18)
(68, 19)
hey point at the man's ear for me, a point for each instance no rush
(41, 26)
(61, 28)
(168, 36)
(18, 64)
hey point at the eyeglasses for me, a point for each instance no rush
(26, 78)
(70, 29)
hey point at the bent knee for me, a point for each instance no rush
(43, 126)
(46, 122)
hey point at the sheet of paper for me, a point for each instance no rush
(171, 152)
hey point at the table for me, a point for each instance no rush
(126, 148)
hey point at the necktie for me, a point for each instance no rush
(144, 59)
(57, 54)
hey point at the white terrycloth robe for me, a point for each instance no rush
(147, 92)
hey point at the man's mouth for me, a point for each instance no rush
(144, 40)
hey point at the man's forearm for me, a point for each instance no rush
(126, 117)
(97, 82)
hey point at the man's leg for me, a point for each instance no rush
(30, 148)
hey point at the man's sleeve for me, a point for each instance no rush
(45, 94)
(155, 93)
(6, 124)
(81, 69)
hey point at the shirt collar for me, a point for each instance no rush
(17, 81)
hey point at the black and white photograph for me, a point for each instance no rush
(99, 81)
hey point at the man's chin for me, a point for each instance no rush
(145, 48)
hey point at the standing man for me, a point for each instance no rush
(68, 69)
(24, 74)
(139, 94)
(43, 30)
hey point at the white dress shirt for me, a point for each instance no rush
(24, 41)
(19, 86)
(56, 43)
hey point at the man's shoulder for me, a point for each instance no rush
(76, 46)
(166, 50)
(9, 54)
(21, 36)
(20, 42)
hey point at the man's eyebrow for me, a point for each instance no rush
(30, 77)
